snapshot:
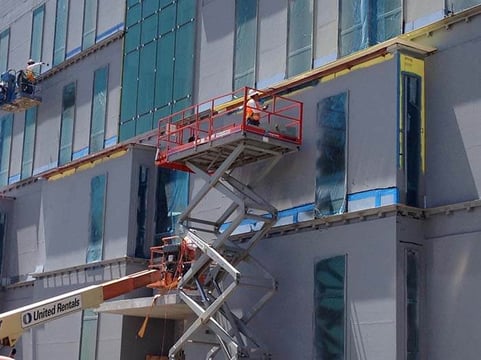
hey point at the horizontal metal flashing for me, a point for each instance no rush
(444, 24)
(81, 55)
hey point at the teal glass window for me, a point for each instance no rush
(61, 25)
(171, 196)
(98, 188)
(6, 127)
(364, 23)
(300, 25)
(141, 211)
(412, 302)
(37, 33)
(331, 156)
(245, 43)
(99, 109)
(29, 142)
(89, 31)
(159, 59)
(4, 43)
(88, 336)
(67, 124)
(329, 308)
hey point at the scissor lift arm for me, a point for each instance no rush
(13, 323)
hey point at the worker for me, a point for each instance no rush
(27, 78)
(254, 107)
(29, 70)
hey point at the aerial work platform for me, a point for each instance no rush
(211, 139)
(17, 93)
(206, 134)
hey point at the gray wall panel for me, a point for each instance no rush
(453, 105)
(453, 294)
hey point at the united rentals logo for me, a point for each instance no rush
(51, 311)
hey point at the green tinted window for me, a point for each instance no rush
(329, 308)
(184, 61)
(149, 7)
(90, 23)
(88, 337)
(165, 70)
(67, 124)
(97, 212)
(149, 29)
(99, 109)
(299, 57)
(29, 142)
(4, 40)
(158, 62)
(245, 43)
(37, 33)
(129, 90)
(146, 81)
(6, 125)
(133, 15)
(61, 24)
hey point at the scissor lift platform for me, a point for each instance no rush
(206, 134)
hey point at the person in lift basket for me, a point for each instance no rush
(254, 108)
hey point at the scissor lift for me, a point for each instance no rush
(212, 139)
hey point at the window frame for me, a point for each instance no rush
(321, 293)
(4, 52)
(6, 120)
(37, 41)
(104, 109)
(63, 122)
(238, 75)
(60, 30)
(30, 150)
(291, 53)
(86, 35)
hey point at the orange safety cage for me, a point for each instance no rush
(222, 116)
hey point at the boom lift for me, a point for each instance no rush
(13, 323)
(213, 140)
(18, 92)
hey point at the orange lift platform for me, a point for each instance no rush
(204, 135)
(17, 93)
(212, 139)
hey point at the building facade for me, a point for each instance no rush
(374, 248)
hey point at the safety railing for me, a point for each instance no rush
(280, 118)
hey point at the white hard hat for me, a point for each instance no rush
(253, 92)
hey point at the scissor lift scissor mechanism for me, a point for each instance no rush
(212, 140)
